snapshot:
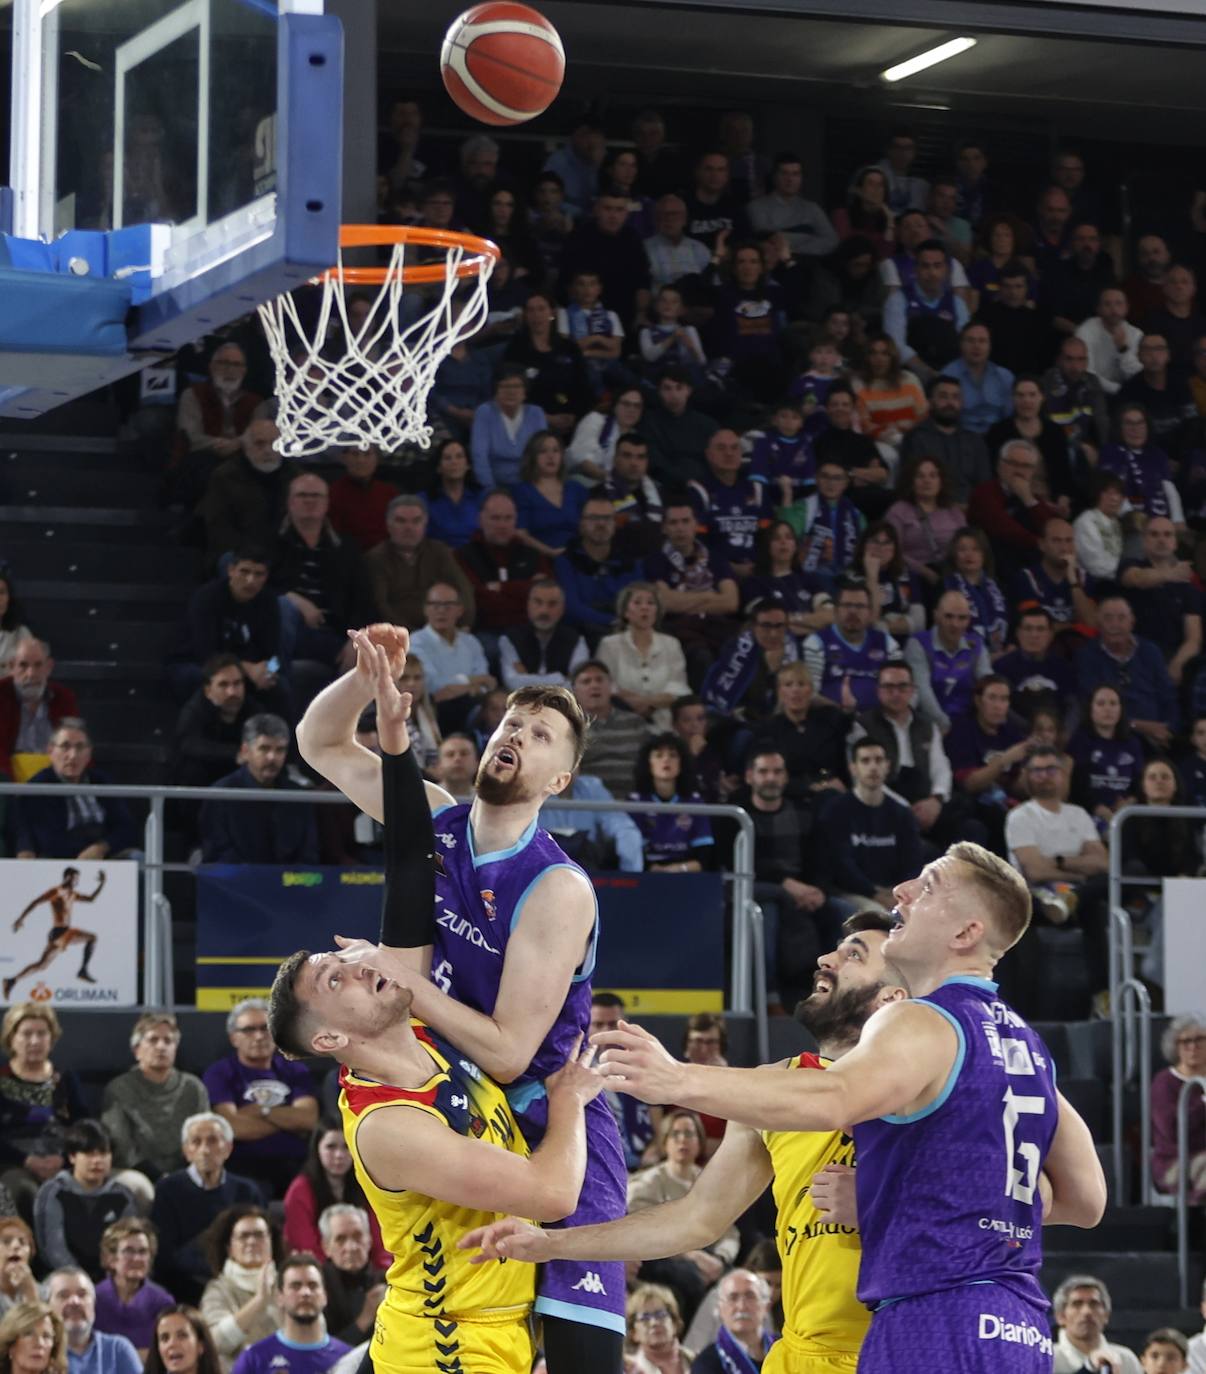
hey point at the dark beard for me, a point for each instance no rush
(500, 791)
(840, 1016)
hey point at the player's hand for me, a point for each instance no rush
(508, 1239)
(578, 1076)
(393, 706)
(635, 1062)
(395, 640)
(833, 1194)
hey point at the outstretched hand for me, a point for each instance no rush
(394, 639)
(635, 1062)
(508, 1239)
(376, 663)
(578, 1076)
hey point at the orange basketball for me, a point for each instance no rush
(502, 62)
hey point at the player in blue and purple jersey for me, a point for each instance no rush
(516, 928)
(965, 1147)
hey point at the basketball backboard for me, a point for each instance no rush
(217, 123)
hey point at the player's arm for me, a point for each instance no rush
(37, 901)
(326, 734)
(544, 950)
(900, 1064)
(96, 891)
(1078, 1185)
(403, 1148)
(731, 1181)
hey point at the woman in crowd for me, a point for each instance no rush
(654, 1327)
(37, 1101)
(925, 517)
(128, 1302)
(547, 507)
(72, 1209)
(502, 427)
(507, 226)
(1098, 530)
(13, 628)
(866, 212)
(454, 497)
(593, 446)
(326, 1178)
(1107, 758)
(32, 1340)
(619, 175)
(1184, 1048)
(777, 573)
(681, 1141)
(648, 668)
(1143, 466)
(890, 399)
(969, 569)
(1002, 241)
(1047, 730)
(17, 1249)
(182, 1344)
(895, 598)
(746, 329)
(239, 1302)
(557, 378)
(665, 773)
(1029, 422)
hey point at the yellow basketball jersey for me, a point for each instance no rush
(430, 1280)
(820, 1259)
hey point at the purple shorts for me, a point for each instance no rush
(591, 1292)
(980, 1328)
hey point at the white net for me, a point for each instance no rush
(356, 378)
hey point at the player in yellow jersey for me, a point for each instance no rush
(819, 1248)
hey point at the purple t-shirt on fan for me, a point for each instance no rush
(135, 1320)
(279, 1085)
(276, 1355)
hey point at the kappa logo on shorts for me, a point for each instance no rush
(590, 1282)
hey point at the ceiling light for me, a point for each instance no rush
(952, 48)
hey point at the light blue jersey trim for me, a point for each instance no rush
(303, 1345)
(971, 1283)
(521, 1096)
(702, 842)
(968, 980)
(587, 967)
(520, 844)
(949, 1086)
(442, 809)
(587, 1316)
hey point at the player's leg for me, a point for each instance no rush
(88, 940)
(52, 948)
(571, 1345)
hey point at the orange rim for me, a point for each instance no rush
(478, 252)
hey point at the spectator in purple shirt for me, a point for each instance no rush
(268, 1099)
(674, 843)
(302, 1345)
(1106, 757)
(128, 1302)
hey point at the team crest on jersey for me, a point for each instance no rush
(477, 1127)
(446, 838)
(487, 896)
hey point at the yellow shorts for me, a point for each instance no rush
(421, 1345)
(784, 1360)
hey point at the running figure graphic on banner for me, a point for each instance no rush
(62, 898)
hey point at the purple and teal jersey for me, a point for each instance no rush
(730, 514)
(672, 839)
(948, 1197)
(479, 902)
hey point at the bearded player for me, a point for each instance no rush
(824, 1321)
(964, 1144)
(514, 947)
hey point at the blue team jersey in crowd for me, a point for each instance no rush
(674, 838)
(949, 1196)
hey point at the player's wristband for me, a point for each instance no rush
(408, 907)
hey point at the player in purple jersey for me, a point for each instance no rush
(512, 994)
(965, 1147)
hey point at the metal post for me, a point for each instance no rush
(152, 874)
(758, 945)
(1136, 1005)
(739, 994)
(1183, 1185)
(25, 137)
(167, 970)
(1116, 1055)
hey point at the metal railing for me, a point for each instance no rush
(1183, 1185)
(747, 983)
(1130, 1026)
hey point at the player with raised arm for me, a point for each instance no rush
(433, 1141)
(817, 1241)
(62, 898)
(964, 1144)
(514, 947)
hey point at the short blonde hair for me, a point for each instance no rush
(1002, 887)
(118, 1230)
(653, 1292)
(28, 1011)
(20, 1320)
(627, 592)
(148, 1020)
(681, 1114)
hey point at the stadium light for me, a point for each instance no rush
(951, 48)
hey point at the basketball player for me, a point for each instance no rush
(62, 933)
(956, 1122)
(513, 951)
(825, 1323)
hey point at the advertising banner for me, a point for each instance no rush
(70, 932)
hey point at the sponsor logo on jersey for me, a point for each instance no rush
(447, 839)
(995, 1328)
(1010, 1229)
(590, 1282)
(462, 926)
(487, 896)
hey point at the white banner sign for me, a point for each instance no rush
(70, 932)
(1184, 944)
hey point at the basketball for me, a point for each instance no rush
(502, 62)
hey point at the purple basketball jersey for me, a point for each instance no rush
(949, 1196)
(479, 902)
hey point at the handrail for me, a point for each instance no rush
(1134, 991)
(747, 993)
(1120, 945)
(1183, 1184)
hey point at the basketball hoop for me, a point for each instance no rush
(339, 384)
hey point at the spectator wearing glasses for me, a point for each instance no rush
(127, 1302)
(1136, 667)
(744, 1337)
(741, 681)
(269, 1100)
(1184, 1047)
(844, 658)
(241, 1302)
(655, 1325)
